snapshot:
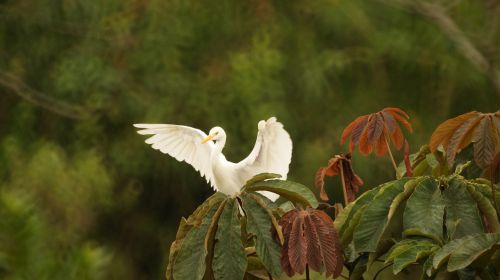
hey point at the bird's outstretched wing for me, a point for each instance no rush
(183, 143)
(272, 152)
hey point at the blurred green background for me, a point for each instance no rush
(82, 196)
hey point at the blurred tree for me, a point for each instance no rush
(79, 190)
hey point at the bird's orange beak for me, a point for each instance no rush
(208, 138)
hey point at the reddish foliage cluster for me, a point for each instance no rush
(310, 240)
(339, 164)
(373, 132)
(457, 133)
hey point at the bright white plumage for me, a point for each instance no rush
(272, 152)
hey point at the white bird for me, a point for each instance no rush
(272, 153)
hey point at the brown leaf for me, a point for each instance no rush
(455, 134)
(398, 111)
(486, 142)
(370, 132)
(351, 180)
(444, 131)
(297, 247)
(311, 240)
(463, 133)
(350, 128)
(390, 122)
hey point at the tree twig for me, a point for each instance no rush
(437, 15)
(37, 98)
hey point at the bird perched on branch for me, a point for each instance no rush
(272, 152)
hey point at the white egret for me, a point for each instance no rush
(272, 152)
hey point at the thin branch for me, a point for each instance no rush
(37, 98)
(437, 15)
(346, 201)
(398, 176)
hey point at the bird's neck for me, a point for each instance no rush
(219, 145)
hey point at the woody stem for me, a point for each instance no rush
(392, 158)
(344, 189)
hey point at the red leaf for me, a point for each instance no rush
(370, 132)
(402, 121)
(398, 111)
(310, 240)
(460, 136)
(481, 128)
(486, 142)
(351, 180)
(445, 131)
(297, 247)
(349, 129)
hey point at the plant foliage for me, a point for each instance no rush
(310, 241)
(482, 129)
(223, 236)
(413, 221)
(373, 132)
(339, 165)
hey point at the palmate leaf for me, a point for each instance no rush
(190, 261)
(482, 129)
(375, 218)
(462, 214)
(460, 253)
(310, 240)
(373, 132)
(348, 219)
(185, 226)
(260, 225)
(407, 252)
(339, 165)
(486, 208)
(230, 260)
(211, 242)
(290, 190)
(424, 211)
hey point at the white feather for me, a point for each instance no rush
(272, 153)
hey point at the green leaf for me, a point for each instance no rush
(463, 251)
(485, 207)
(408, 252)
(230, 261)
(261, 177)
(409, 187)
(472, 249)
(259, 224)
(375, 218)
(343, 220)
(190, 261)
(290, 190)
(425, 211)
(462, 214)
(186, 225)
(285, 207)
(348, 233)
(268, 205)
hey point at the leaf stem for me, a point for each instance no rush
(380, 270)
(344, 189)
(307, 272)
(398, 176)
(493, 190)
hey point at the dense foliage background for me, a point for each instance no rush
(81, 195)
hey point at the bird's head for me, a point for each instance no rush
(215, 134)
